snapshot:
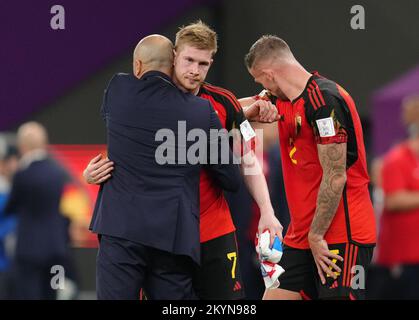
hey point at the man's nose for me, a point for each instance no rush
(194, 68)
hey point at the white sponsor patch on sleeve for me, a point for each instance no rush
(326, 127)
(247, 130)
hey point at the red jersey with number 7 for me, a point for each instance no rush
(215, 216)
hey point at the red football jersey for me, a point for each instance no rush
(215, 214)
(324, 113)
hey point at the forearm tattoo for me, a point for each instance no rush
(333, 161)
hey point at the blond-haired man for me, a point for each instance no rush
(219, 275)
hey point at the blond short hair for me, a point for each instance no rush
(198, 35)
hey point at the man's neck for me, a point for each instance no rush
(31, 156)
(292, 80)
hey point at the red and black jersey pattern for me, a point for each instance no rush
(323, 100)
(225, 104)
(215, 217)
(324, 113)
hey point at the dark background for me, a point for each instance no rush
(318, 32)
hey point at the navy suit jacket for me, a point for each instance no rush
(144, 201)
(42, 230)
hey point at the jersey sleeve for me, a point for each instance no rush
(235, 114)
(237, 120)
(330, 121)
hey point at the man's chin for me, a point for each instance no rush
(279, 94)
(192, 88)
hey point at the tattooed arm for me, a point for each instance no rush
(333, 161)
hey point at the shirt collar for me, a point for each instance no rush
(314, 74)
(155, 73)
(32, 156)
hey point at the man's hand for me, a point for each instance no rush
(98, 170)
(268, 221)
(323, 257)
(261, 111)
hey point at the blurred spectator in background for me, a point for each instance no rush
(42, 231)
(398, 249)
(8, 165)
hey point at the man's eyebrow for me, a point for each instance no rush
(199, 61)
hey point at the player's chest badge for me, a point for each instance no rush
(295, 129)
(298, 124)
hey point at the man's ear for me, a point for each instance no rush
(269, 74)
(174, 56)
(138, 65)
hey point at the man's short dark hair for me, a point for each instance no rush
(265, 47)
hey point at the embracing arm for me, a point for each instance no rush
(98, 170)
(225, 173)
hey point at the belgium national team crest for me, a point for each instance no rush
(298, 123)
(293, 137)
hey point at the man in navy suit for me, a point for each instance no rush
(42, 230)
(147, 215)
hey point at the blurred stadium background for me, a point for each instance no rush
(57, 77)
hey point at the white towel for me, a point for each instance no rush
(269, 258)
(266, 252)
(270, 273)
